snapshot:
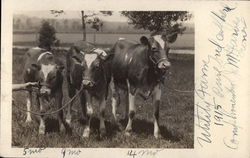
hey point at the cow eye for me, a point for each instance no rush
(53, 77)
(97, 64)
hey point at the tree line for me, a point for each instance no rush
(27, 24)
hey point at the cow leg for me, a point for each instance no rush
(68, 115)
(115, 99)
(88, 112)
(102, 117)
(126, 105)
(71, 92)
(42, 122)
(29, 104)
(58, 99)
(156, 99)
(131, 114)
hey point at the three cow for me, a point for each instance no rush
(137, 68)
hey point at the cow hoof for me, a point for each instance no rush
(128, 133)
(86, 133)
(28, 121)
(120, 127)
(41, 130)
(68, 120)
(157, 136)
(62, 128)
(102, 133)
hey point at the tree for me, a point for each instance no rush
(47, 36)
(91, 18)
(84, 18)
(29, 23)
(18, 23)
(66, 24)
(169, 22)
(97, 24)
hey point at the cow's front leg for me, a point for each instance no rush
(40, 103)
(114, 99)
(102, 117)
(72, 93)
(156, 99)
(88, 112)
(131, 113)
(29, 105)
(58, 99)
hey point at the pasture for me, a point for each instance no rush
(176, 117)
(183, 41)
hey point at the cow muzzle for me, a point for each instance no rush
(87, 83)
(164, 65)
(45, 91)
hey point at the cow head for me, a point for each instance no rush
(158, 50)
(49, 74)
(92, 65)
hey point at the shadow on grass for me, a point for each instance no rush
(52, 125)
(142, 127)
(147, 128)
(111, 128)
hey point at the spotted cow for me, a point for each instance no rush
(88, 68)
(139, 68)
(43, 67)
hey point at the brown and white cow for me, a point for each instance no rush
(139, 68)
(42, 66)
(88, 68)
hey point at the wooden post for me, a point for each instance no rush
(94, 37)
(83, 26)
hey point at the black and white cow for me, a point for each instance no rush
(139, 68)
(88, 68)
(42, 66)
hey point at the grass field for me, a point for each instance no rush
(176, 117)
(183, 41)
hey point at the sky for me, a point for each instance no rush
(72, 14)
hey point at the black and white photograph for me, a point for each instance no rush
(127, 79)
(103, 79)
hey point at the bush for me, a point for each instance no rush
(47, 36)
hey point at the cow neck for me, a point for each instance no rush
(154, 75)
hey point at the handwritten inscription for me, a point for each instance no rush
(70, 152)
(217, 100)
(32, 151)
(141, 153)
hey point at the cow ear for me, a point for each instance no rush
(144, 40)
(106, 57)
(172, 37)
(36, 66)
(103, 57)
(74, 50)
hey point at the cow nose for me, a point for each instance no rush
(87, 83)
(154, 49)
(45, 91)
(164, 65)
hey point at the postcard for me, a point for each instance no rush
(125, 79)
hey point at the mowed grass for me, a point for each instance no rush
(176, 117)
(185, 40)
